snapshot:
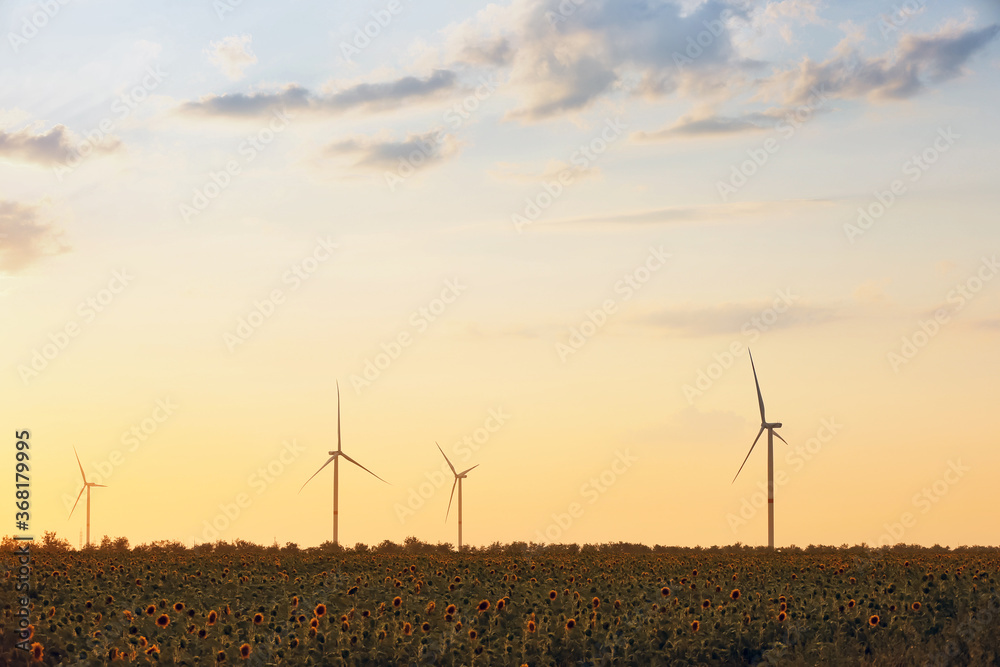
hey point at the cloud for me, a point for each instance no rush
(696, 125)
(24, 238)
(563, 55)
(370, 96)
(57, 146)
(727, 213)
(232, 55)
(920, 60)
(420, 150)
(729, 319)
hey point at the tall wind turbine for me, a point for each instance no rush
(335, 457)
(86, 487)
(771, 433)
(459, 476)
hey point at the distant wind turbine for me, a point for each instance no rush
(86, 487)
(771, 428)
(335, 458)
(459, 476)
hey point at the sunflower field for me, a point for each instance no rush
(507, 606)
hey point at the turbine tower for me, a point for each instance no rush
(335, 457)
(771, 433)
(459, 476)
(86, 487)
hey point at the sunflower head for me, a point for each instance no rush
(873, 620)
(163, 620)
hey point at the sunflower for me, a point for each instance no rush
(153, 650)
(320, 610)
(37, 651)
(706, 604)
(473, 634)
(295, 601)
(220, 656)
(112, 653)
(258, 619)
(595, 603)
(873, 620)
(426, 627)
(501, 603)
(781, 617)
(531, 626)
(352, 590)
(665, 591)
(483, 606)
(396, 601)
(915, 606)
(178, 606)
(150, 610)
(245, 651)
(294, 642)
(212, 617)
(163, 621)
(430, 607)
(851, 603)
(695, 625)
(735, 594)
(570, 624)
(450, 610)
(202, 633)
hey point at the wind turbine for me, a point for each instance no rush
(335, 457)
(86, 487)
(459, 476)
(771, 433)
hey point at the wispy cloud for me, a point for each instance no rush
(428, 147)
(24, 237)
(232, 55)
(47, 148)
(369, 96)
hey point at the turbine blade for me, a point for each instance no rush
(81, 466)
(328, 462)
(363, 468)
(748, 453)
(446, 459)
(104, 486)
(779, 437)
(760, 399)
(77, 500)
(450, 498)
(339, 448)
(472, 468)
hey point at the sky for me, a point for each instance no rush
(541, 234)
